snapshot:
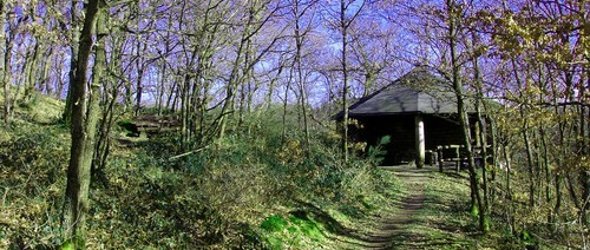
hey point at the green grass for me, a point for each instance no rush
(274, 223)
(308, 227)
(38, 109)
(296, 231)
(44, 109)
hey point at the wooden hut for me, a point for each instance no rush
(419, 113)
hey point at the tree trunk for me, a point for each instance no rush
(509, 214)
(85, 110)
(232, 84)
(558, 197)
(482, 133)
(59, 80)
(31, 72)
(46, 80)
(161, 87)
(300, 79)
(545, 160)
(477, 203)
(6, 77)
(271, 86)
(67, 115)
(140, 70)
(285, 105)
(185, 112)
(344, 33)
(369, 80)
(110, 100)
(585, 41)
(529, 154)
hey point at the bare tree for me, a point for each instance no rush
(344, 17)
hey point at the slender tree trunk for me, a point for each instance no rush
(272, 84)
(559, 174)
(482, 135)
(31, 72)
(243, 85)
(171, 95)
(558, 197)
(75, 36)
(85, 110)
(163, 81)
(185, 112)
(543, 151)
(7, 85)
(186, 103)
(547, 170)
(128, 102)
(495, 158)
(176, 92)
(344, 63)
(140, 70)
(21, 80)
(510, 203)
(585, 174)
(585, 148)
(111, 92)
(525, 136)
(300, 79)
(46, 80)
(285, 105)
(585, 41)
(529, 154)
(59, 81)
(463, 117)
(6, 77)
(233, 82)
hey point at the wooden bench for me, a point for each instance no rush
(449, 153)
(455, 154)
(152, 124)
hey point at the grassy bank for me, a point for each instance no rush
(250, 190)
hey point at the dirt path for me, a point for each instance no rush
(392, 230)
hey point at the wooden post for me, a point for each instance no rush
(440, 158)
(477, 133)
(433, 157)
(420, 141)
(459, 159)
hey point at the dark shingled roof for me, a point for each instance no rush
(418, 91)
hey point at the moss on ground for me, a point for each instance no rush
(274, 223)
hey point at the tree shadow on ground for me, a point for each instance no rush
(310, 210)
(340, 233)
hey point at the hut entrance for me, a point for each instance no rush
(413, 136)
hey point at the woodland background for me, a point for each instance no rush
(254, 84)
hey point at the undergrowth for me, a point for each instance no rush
(252, 189)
